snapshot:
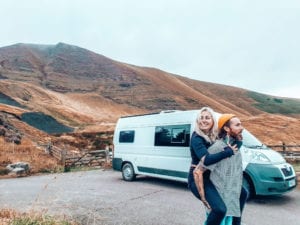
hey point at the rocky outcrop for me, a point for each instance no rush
(9, 132)
(19, 168)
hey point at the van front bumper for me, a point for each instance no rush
(271, 179)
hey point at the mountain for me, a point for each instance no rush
(88, 92)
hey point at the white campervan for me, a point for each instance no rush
(157, 145)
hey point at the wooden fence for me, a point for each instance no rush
(82, 158)
(101, 157)
(289, 152)
(87, 158)
(284, 147)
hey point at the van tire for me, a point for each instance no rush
(128, 172)
(248, 185)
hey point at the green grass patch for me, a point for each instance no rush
(57, 169)
(45, 123)
(80, 168)
(273, 104)
(3, 171)
(4, 99)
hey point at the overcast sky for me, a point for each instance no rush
(249, 44)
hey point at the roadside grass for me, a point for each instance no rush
(80, 168)
(296, 166)
(12, 217)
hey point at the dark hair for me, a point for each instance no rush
(222, 132)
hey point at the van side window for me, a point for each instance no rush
(126, 136)
(174, 135)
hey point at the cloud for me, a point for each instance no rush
(248, 44)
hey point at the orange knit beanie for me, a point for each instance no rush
(223, 119)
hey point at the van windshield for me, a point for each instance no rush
(250, 141)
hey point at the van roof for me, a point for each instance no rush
(158, 118)
(147, 114)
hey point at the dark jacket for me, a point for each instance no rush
(198, 148)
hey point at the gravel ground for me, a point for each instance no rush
(102, 198)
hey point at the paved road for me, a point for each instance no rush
(102, 198)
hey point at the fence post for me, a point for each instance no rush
(106, 154)
(48, 148)
(283, 147)
(63, 156)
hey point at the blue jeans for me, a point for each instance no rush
(218, 207)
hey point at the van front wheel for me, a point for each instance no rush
(128, 172)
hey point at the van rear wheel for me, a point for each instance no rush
(128, 172)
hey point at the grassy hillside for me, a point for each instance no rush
(273, 104)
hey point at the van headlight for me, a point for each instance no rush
(258, 157)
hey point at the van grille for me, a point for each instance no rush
(287, 171)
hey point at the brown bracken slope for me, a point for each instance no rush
(89, 92)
